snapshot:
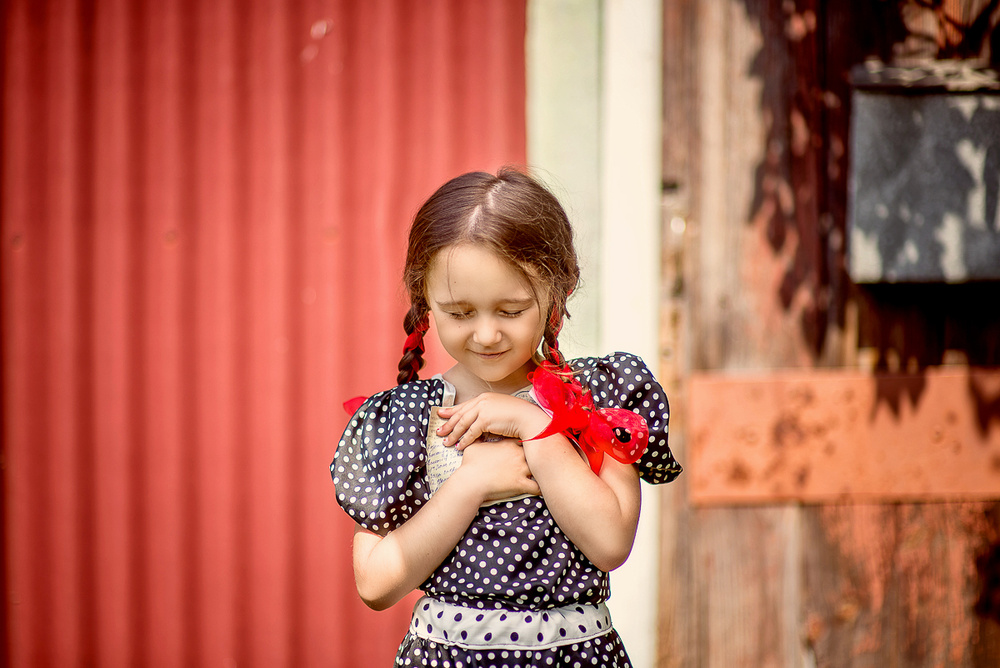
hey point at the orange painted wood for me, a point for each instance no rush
(825, 436)
(894, 584)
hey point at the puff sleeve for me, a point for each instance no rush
(622, 380)
(379, 469)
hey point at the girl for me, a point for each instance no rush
(487, 487)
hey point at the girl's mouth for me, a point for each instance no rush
(490, 356)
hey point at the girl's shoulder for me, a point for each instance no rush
(414, 397)
(619, 380)
(614, 360)
(378, 468)
(622, 380)
(405, 408)
(616, 369)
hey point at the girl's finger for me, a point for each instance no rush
(445, 414)
(451, 418)
(456, 427)
(466, 431)
(451, 414)
(467, 440)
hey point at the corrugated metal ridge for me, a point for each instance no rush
(203, 211)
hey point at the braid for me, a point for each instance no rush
(415, 323)
(550, 340)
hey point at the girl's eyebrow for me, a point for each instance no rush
(527, 301)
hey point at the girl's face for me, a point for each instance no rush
(487, 316)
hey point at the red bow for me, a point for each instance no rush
(618, 432)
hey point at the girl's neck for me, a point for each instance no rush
(468, 385)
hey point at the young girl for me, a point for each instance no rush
(487, 487)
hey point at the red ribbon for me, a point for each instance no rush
(353, 404)
(597, 431)
(415, 341)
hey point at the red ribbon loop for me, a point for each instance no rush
(597, 431)
(415, 339)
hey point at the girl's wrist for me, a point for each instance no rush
(534, 423)
(546, 454)
(463, 485)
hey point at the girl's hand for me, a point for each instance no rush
(498, 469)
(388, 567)
(500, 414)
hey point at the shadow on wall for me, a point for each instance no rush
(801, 182)
(800, 186)
(895, 391)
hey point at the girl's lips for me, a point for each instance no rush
(490, 356)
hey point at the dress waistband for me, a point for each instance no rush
(474, 628)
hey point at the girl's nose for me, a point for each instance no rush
(486, 332)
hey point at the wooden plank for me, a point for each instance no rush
(676, 627)
(893, 585)
(722, 281)
(745, 572)
(825, 436)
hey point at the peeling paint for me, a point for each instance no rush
(824, 436)
(909, 569)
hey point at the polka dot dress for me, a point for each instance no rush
(513, 556)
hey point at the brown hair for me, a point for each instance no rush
(513, 215)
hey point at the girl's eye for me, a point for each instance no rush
(512, 314)
(461, 315)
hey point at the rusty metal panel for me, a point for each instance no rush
(203, 217)
(827, 436)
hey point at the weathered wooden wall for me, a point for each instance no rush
(756, 112)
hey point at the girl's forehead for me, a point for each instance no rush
(470, 256)
(476, 267)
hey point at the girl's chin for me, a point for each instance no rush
(504, 377)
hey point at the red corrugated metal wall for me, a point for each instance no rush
(203, 216)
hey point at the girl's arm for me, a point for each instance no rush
(598, 513)
(386, 568)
